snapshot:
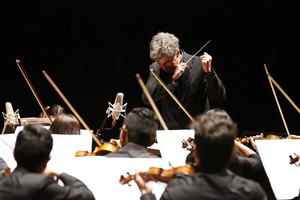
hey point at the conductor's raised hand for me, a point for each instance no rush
(206, 60)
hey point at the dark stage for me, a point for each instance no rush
(93, 51)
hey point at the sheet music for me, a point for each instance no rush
(170, 144)
(284, 177)
(64, 146)
(102, 175)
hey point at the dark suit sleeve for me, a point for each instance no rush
(215, 89)
(73, 189)
(3, 166)
(148, 196)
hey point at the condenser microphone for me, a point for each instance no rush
(117, 108)
(11, 118)
(115, 111)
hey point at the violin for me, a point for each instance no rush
(101, 150)
(162, 175)
(84, 153)
(260, 137)
(294, 160)
(188, 144)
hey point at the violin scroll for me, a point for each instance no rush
(188, 144)
(294, 160)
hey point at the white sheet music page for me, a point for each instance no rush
(284, 177)
(64, 146)
(170, 144)
(102, 175)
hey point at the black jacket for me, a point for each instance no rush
(196, 90)
(24, 185)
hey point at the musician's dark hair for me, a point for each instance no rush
(65, 124)
(33, 146)
(141, 124)
(214, 139)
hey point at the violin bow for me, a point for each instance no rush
(71, 107)
(271, 81)
(142, 84)
(171, 94)
(32, 88)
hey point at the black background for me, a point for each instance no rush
(93, 50)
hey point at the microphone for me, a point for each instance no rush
(116, 109)
(11, 118)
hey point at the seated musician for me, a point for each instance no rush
(245, 161)
(31, 179)
(137, 133)
(65, 124)
(214, 145)
(53, 111)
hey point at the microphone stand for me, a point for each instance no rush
(98, 132)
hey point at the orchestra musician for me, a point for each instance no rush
(190, 78)
(65, 124)
(212, 180)
(245, 161)
(53, 111)
(137, 133)
(31, 179)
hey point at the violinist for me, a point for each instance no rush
(65, 124)
(136, 134)
(247, 163)
(31, 179)
(218, 111)
(53, 111)
(190, 78)
(214, 145)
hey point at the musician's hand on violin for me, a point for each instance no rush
(144, 182)
(179, 70)
(206, 60)
(253, 142)
(116, 142)
(51, 172)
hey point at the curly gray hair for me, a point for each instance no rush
(163, 44)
